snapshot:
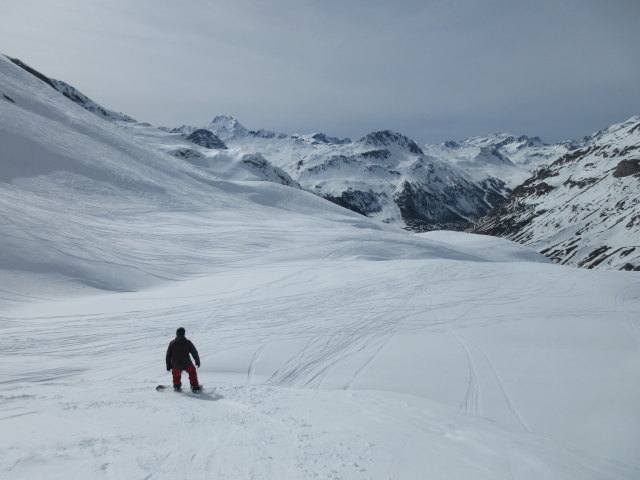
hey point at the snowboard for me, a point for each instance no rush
(162, 388)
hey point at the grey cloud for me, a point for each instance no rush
(433, 70)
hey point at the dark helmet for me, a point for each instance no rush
(180, 332)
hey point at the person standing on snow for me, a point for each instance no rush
(178, 360)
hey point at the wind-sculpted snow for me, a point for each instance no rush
(332, 345)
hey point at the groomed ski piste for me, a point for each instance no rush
(332, 346)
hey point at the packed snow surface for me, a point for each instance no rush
(332, 346)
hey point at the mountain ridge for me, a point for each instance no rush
(582, 209)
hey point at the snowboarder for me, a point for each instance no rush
(178, 360)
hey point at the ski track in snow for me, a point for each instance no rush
(472, 402)
(252, 363)
(366, 363)
(473, 398)
(516, 413)
(622, 299)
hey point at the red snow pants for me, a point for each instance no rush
(193, 376)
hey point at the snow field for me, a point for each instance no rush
(452, 376)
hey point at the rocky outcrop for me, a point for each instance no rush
(192, 156)
(387, 138)
(362, 202)
(627, 167)
(266, 171)
(206, 139)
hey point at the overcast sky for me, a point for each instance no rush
(433, 70)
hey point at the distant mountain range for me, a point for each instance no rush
(575, 201)
(383, 175)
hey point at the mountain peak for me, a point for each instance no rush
(387, 137)
(224, 119)
(227, 127)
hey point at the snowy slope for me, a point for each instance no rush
(584, 208)
(74, 95)
(332, 345)
(209, 154)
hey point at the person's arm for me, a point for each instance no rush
(168, 358)
(194, 353)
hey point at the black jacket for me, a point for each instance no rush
(178, 353)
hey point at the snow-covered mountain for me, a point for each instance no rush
(332, 345)
(584, 208)
(501, 155)
(223, 126)
(384, 175)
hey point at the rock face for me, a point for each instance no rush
(206, 139)
(627, 167)
(584, 208)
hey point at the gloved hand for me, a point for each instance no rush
(198, 364)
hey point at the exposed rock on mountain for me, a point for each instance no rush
(268, 172)
(385, 138)
(206, 139)
(627, 167)
(362, 202)
(321, 137)
(584, 208)
(192, 156)
(262, 133)
(74, 95)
